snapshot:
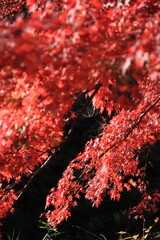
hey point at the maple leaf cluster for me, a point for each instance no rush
(67, 47)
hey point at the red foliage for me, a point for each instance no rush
(61, 49)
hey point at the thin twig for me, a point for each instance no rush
(140, 117)
(97, 237)
(103, 236)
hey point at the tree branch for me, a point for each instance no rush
(50, 157)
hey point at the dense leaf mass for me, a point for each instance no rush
(50, 52)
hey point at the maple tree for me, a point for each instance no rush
(53, 52)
